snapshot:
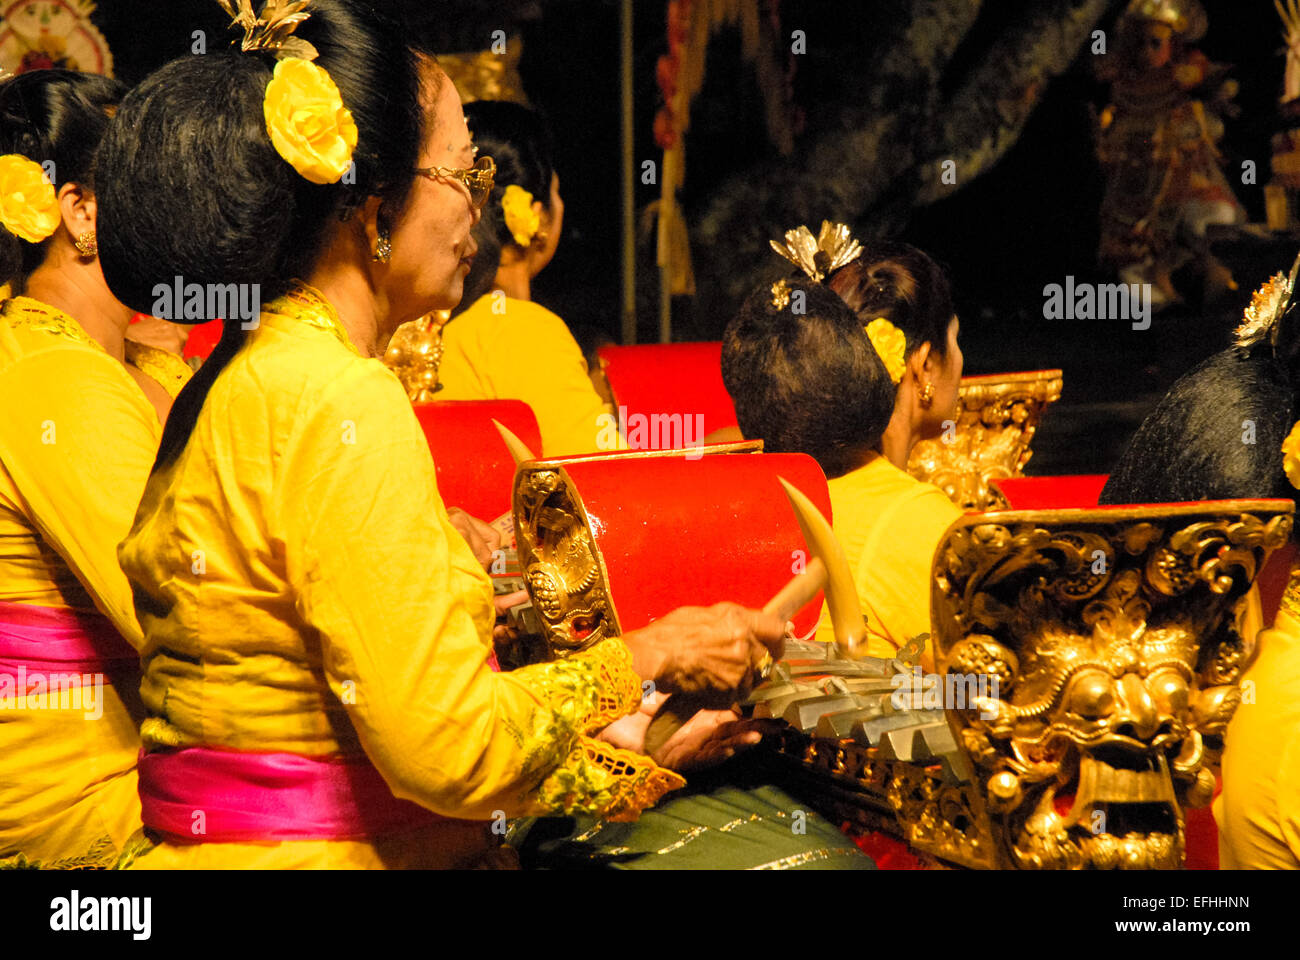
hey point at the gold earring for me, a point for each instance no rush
(540, 238)
(927, 394)
(88, 244)
(383, 246)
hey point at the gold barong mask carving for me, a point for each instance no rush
(1117, 667)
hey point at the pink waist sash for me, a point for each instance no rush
(252, 797)
(39, 639)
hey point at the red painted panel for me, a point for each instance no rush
(670, 378)
(1049, 493)
(475, 470)
(203, 340)
(675, 531)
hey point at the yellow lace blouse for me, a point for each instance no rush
(302, 590)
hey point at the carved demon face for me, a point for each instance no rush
(1117, 665)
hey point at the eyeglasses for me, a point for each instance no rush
(478, 179)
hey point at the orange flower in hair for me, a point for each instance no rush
(29, 207)
(307, 121)
(891, 344)
(1291, 456)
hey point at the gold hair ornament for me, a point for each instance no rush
(1266, 309)
(271, 29)
(780, 294)
(822, 255)
(306, 119)
(29, 205)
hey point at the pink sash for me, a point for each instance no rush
(252, 797)
(37, 639)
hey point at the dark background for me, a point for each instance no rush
(1029, 222)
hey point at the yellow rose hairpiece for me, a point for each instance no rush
(308, 124)
(305, 117)
(818, 257)
(522, 220)
(29, 205)
(1291, 456)
(891, 345)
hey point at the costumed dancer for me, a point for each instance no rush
(316, 632)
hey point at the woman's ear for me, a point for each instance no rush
(77, 208)
(922, 363)
(371, 219)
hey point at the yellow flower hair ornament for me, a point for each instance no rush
(308, 123)
(891, 344)
(1291, 456)
(305, 117)
(29, 206)
(522, 220)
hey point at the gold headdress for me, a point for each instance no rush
(271, 29)
(833, 247)
(1186, 17)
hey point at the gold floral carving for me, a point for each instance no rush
(487, 74)
(415, 352)
(997, 417)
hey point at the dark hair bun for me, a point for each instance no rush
(807, 382)
(904, 285)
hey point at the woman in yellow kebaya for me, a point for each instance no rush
(857, 390)
(316, 632)
(501, 344)
(79, 429)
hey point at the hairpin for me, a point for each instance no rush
(271, 29)
(832, 248)
(1267, 307)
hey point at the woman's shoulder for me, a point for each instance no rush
(884, 489)
(494, 310)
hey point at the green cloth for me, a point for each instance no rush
(732, 818)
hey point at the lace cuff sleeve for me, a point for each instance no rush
(608, 782)
(587, 692)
